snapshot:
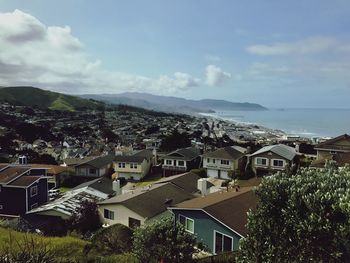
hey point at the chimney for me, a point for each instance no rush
(202, 186)
(116, 187)
(22, 160)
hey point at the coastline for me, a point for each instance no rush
(235, 130)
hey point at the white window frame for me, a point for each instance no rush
(208, 160)
(121, 165)
(1, 207)
(186, 225)
(110, 214)
(273, 165)
(214, 243)
(225, 162)
(133, 165)
(261, 158)
(178, 163)
(168, 162)
(32, 189)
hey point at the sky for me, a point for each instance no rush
(278, 53)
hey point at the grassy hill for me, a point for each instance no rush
(30, 96)
(66, 249)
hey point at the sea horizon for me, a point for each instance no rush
(304, 122)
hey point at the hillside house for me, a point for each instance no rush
(22, 188)
(223, 161)
(273, 158)
(181, 161)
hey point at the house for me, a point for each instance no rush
(96, 190)
(56, 173)
(22, 188)
(97, 167)
(133, 167)
(181, 161)
(336, 149)
(223, 161)
(217, 220)
(142, 205)
(272, 158)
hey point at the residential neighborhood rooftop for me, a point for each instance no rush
(280, 149)
(150, 201)
(229, 152)
(11, 172)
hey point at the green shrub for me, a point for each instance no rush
(115, 239)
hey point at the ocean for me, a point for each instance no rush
(303, 122)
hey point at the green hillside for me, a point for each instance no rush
(30, 96)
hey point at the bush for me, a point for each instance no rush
(300, 218)
(115, 239)
(163, 240)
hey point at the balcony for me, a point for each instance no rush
(174, 168)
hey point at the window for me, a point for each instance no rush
(1, 207)
(33, 191)
(278, 163)
(222, 243)
(168, 162)
(225, 162)
(121, 165)
(92, 171)
(213, 160)
(208, 160)
(188, 223)
(261, 161)
(34, 206)
(108, 214)
(133, 223)
(181, 163)
(133, 165)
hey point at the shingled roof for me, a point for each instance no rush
(103, 185)
(149, 202)
(186, 181)
(329, 144)
(228, 153)
(99, 162)
(230, 208)
(137, 157)
(282, 150)
(186, 154)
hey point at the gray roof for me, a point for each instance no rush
(149, 202)
(186, 181)
(137, 157)
(99, 162)
(229, 153)
(186, 154)
(282, 150)
(102, 184)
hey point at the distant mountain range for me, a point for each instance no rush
(173, 104)
(30, 96)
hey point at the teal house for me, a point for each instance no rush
(217, 220)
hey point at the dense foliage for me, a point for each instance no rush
(175, 141)
(301, 218)
(85, 219)
(115, 239)
(164, 240)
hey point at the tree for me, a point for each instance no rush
(300, 218)
(163, 240)
(175, 141)
(85, 219)
(115, 239)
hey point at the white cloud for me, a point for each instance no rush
(306, 46)
(51, 57)
(216, 76)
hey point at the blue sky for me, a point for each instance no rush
(277, 53)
